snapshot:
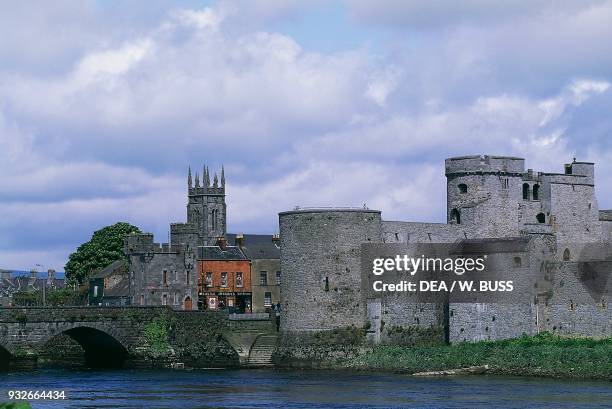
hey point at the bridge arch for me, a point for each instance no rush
(102, 346)
(6, 356)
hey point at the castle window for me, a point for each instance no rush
(455, 216)
(505, 183)
(263, 278)
(536, 192)
(164, 299)
(541, 218)
(525, 191)
(566, 255)
(165, 277)
(462, 188)
(187, 278)
(326, 283)
(142, 300)
(517, 262)
(214, 217)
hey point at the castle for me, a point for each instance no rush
(197, 268)
(491, 200)
(166, 273)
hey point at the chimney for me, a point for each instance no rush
(5, 275)
(240, 240)
(50, 276)
(222, 242)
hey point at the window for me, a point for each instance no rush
(566, 255)
(455, 216)
(263, 278)
(214, 216)
(223, 279)
(517, 262)
(525, 191)
(165, 278)
(505, 182)
(208, 282)
(536, 192)
(267, 299)
(326, 283)
(164, 299)
(278, 278)
(176, 298)
(462, 188)
(541, 218)
(95, 291)
(239, 279)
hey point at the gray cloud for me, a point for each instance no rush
(102, 126)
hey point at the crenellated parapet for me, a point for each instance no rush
(486, 164)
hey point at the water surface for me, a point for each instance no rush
(300, 389)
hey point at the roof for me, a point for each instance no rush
(216, 253)
(257, 246)
(119, 266)
(121, 289)
(25, 283)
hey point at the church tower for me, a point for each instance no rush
(206, 208)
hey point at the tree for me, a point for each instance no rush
(105, 246)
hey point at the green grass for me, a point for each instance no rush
(541, 355)
(15, 405)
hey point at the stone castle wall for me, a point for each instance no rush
(321, 267)
(559, 212)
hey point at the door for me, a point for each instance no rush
(188, 305)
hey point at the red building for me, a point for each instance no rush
(224, 279)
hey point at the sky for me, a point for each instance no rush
(105, 104)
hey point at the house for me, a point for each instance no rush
(110, 285)
(29, 289)
(224, 278)
(263, 252)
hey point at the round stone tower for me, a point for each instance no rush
(484, 193)
(321, 267)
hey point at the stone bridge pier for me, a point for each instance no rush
(128, 337)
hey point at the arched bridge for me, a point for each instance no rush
(130, 336)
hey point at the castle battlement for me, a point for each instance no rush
(477, 164)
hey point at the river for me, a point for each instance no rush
(299, 389)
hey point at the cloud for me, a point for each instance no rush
(131, 97)
(434, 14)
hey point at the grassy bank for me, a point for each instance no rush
(541, 355)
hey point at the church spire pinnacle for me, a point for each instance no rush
(197, 180)
(222, 176)
(189, 182)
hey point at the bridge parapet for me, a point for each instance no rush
(189, 336)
